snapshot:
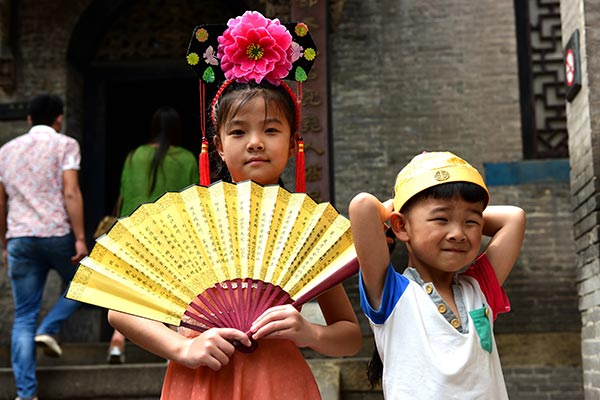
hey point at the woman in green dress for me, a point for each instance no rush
(150, 170)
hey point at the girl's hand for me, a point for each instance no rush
(212, 348)
(284, 322)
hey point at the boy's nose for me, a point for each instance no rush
(457, 234)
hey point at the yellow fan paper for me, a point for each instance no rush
(218, 255)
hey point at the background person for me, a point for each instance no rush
(41, 228)
(150, 170)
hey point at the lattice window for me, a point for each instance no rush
(541, 74)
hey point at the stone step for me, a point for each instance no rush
(144, 381)
(85, 354)
(127, 381)
(82, 373)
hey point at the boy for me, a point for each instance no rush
(433, 325)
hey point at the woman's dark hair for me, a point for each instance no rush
(165, 131)
(235, 96)
(467, 191)
(44, 109)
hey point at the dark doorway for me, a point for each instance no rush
(130, 106)
(120, 122)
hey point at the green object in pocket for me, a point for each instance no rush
(483, 327)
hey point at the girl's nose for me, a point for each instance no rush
(255, 142)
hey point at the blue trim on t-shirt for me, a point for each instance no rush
(394, 287)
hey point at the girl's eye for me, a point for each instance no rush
(271, 130)
(236, 132)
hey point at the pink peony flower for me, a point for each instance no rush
(255, 48)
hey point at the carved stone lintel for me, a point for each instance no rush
(282, 9)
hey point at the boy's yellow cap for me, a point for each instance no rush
(430, 169)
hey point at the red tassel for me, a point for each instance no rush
(300, 173)
(204, 164)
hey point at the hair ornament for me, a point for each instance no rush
(249, 48)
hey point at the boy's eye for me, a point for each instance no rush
(440, 219)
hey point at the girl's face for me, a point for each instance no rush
(256, 143)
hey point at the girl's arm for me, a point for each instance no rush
(212, 348)
(340, 337)
(506, 227)
(367, 216)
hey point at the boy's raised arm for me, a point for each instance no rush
(367, 216)
(506, 227)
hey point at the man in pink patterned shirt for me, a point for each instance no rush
(41, 228)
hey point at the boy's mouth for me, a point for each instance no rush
(453, 250)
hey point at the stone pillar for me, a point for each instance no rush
(583, 123)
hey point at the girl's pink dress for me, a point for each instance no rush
(276, 370)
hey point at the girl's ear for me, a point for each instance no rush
(399, 224)
(293, 145)
(219, 146)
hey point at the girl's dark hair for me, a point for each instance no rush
(45, 108)
(165, 130)
(233, 98)
(467, 191)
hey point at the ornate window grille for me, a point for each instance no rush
(541, 76)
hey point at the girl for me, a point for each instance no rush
(255, 136)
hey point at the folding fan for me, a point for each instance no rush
(217, 256)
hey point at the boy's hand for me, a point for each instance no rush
(387, 210)
(212, 348)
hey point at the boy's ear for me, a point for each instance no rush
(398, 223)
(219, 146)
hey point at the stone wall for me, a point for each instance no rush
(583, 124)
(411, 76)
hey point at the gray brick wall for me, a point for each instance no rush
(411, 76)
(582, 119)
(544, 383)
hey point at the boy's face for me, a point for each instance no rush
(442, 235)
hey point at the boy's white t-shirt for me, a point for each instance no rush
(424, 356)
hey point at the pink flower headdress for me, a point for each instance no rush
(251, 48)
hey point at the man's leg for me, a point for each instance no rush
(27, 277)
(58, 252)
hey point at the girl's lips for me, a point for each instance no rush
(256, 161)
